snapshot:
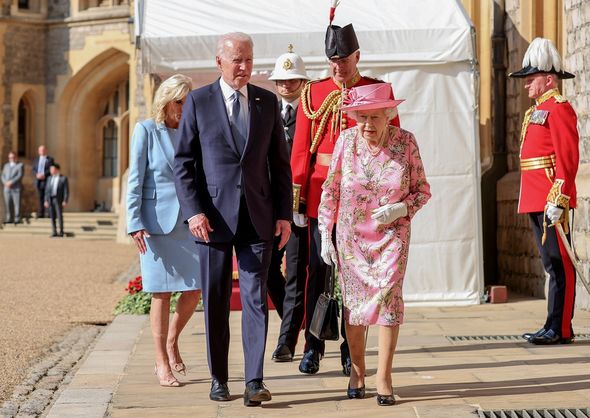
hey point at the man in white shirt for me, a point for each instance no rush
(288, 292)
(56, 198)
(41, 165)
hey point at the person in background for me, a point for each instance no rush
(288, 292)
(168, 258)
(41, 165)
(12, 175)
(57, 193)
(375, 185)
(549, 159)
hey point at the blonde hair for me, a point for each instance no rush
(171, 89)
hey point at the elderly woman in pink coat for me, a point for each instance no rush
(375, 185)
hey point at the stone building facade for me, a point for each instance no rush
(68, 76)
(567, 23)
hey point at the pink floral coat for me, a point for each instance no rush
(372, 258)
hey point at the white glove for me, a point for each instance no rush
(328, 251)
(388, 213)
(299, 219)
(553, 212)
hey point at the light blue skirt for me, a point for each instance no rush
(170, 263)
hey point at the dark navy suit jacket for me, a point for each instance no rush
(210, 173)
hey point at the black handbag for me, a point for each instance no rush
(324, 322)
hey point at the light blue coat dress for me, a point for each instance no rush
(171, 263)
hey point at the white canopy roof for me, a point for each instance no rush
(423, 47)
(177, 35)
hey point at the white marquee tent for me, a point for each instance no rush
(425, 48)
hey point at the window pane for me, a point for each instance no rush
(109, 150)
(22, 129)
(23, 4)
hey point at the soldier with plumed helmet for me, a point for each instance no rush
(319, 122)
(549, 160)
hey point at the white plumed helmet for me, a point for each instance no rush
(541, 57)
(289, 66)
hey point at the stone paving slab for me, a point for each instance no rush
(433, 377)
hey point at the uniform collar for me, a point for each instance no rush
(293, 103)
(355, 79)
(547, 95)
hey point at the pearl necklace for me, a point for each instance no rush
(376, 149)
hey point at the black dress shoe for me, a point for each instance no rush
(282, 354)
(385, 400)
(219, 391)
(358, 393)
(310, 363)
(528, 335)
(256, 393)
(550, 338)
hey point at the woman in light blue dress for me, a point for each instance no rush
(168, 254)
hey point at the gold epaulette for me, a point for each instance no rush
(560, 99)
(329, 107)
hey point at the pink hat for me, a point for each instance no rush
(370, 96)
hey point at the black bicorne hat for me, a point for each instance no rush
(541, 57)
(340, 42)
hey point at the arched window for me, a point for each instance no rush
(23, 128)
(110, 150)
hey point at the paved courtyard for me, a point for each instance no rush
(433, 376)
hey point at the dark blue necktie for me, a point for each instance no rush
(238, 127)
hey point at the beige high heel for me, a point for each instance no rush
(170, 382)
(179, 368)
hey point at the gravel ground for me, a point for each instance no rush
(47, 287)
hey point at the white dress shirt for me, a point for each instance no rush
(228, 99)
(293, 104)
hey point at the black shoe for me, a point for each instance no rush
(386, 400)
(358, 393)
(551, 338)
(282, 354)
(219, 391)
(256, 393)
(53, 235)
(310, 363)
(345, 359)
(61, 234)
(528, 335)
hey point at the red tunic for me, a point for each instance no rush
(552, 133)
(309, 174)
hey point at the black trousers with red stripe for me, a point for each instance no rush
(562, 277)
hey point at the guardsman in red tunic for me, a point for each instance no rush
(549, 160)
(319, 122)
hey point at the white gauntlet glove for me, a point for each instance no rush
(386, 214)
(553, 212)
(328, 251)
(299, 219)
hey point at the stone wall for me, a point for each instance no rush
(519, 263)
(577, 61)
(520, 266)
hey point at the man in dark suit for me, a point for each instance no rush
(233, 179)
(288, 292)
(57, 193)
(41, 165)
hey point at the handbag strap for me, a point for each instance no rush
(330, 280)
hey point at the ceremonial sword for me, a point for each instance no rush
(572, 256)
